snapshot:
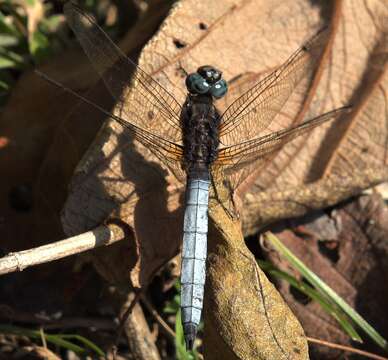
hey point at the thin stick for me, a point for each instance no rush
(122, 324)
(345, 348)
(158, 318)
(100, 236)
(7, 313)
(42, 337)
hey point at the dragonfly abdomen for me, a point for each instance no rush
(193, 272)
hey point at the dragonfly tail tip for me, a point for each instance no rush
(190, 331)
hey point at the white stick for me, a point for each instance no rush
(100, 236)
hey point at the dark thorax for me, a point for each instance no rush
(201, 120)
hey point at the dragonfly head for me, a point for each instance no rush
(207, 80)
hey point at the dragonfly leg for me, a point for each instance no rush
(218, 198)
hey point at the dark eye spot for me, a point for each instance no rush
(179, 44)
(364, 150)
(202, 26)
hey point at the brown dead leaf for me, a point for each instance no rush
(38, 352)
(349, 154)
(351, 258)
(28, 125)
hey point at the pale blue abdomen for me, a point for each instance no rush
(194, 252)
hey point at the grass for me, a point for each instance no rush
(173, 307)
(76, 343)
(31, 32)
(319, 291)
(28, 36)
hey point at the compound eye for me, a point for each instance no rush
(196, 84)
(219, 89)
(209, 73)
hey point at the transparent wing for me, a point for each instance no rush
(253, 111)
(148, 106)
(232, 159)
(168, 152)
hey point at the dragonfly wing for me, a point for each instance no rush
(149, 105)
(252, 112)
(251, 154)
(168, 152)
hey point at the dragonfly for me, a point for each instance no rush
(194, 139)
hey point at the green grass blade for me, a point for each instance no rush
(180, 347)
(55, 339)
(10, 59)
(315, 296)
(8, 28)
(325, 289)
(8, 40)
(86, 342)
(4, 85)
(35, 334)
(39, 46)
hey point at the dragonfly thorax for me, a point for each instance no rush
(200, 130)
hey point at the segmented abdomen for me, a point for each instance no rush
(194, 252)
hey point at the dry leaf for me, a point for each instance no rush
(351, 153)
(38, 352)
(351, 258)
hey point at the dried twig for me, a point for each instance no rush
(7, 313)
(167, 329)
(345, 348)
(140, 340)
(100, 236)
